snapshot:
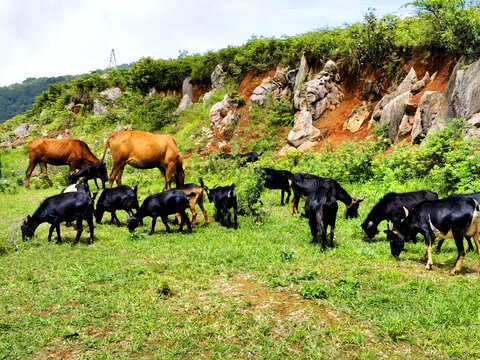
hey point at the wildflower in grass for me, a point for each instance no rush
(405, 156)
(347, 173)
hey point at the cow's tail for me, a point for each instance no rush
(102, 161)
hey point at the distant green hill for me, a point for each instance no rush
(18, 98)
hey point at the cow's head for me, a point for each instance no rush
(27, 229)
(370, 228)
(397, 241)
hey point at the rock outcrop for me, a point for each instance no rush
(222, 114)
(303, 129)
(276, 85)
(186, 102)
(430, 112)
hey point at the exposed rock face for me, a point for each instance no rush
(187, 90)
(23, 130)
(323, 92)
(273, 85)
(419, 85)
(430, 111)
(217, 76)
(394, 112)
(303, 129)
(300, 78)
(99, 109)
(357, 117)
(111, 94)
(370, 90)
(222, 114)
(463, 91)
(404, 87)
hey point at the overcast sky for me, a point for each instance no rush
(68, 37)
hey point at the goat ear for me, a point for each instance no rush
(232, 186)
(29, 218)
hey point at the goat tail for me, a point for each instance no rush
(201, 183)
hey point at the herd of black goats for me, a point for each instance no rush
(410, 213)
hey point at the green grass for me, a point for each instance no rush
(263, 291)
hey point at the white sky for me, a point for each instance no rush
(68, 37)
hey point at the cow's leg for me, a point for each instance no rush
(31, 165)
(115, 170)
(154, 220)
(118, 177)
(458, 236)
(168, 176)
(164, 174)
(43, 167)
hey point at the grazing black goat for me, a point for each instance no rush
(475, 196)
(119, 198)
(250, 156)
(224, 198)
(278, 179)
(392, 207)
(305, 184)
(321, 211)
(91, 172)
(58, 208)
(454, 217)
(161, 205)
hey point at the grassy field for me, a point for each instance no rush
(260, 292)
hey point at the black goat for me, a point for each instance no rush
(321, 211)
(119, 198)
(224, 198)
(278, 179)
(91, 172)
(161, 205)
(58, 208)
(455, 217)
(250, 156)
(304, 184)
(392, 207)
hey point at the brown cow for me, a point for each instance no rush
(74, 153)
(144, 150)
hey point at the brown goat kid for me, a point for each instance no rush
(195, 200)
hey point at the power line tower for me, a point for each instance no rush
(113, 60)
